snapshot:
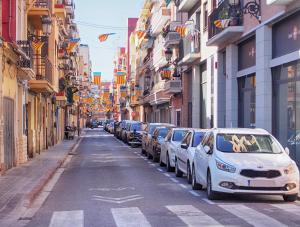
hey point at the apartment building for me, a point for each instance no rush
(36, 49)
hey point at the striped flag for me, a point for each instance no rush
(97, 78)
(72, 44)
(222, 23)
(104, 37)
(182, 30)
(140, 34)
(37, 45)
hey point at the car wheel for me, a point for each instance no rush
(195, 185)
(160, 162)
(155, 157)
(211, 195)
(169, 168)
(178, 172)
(149, 156)
(189, 174)
(290, 198)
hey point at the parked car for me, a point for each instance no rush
(134, 134)
(169, 146)
(106, 124)
(116, 128)
(184, 153)
(249, 161)
(111, 127)
(120, 128)
(147, 135)
(126, 130)
(157, 140)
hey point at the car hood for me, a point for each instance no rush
(255, 161)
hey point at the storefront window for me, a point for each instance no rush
(203, 96)
(286, 107)
(247, 101)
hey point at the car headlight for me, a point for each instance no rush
(225, 167)
(290, 169)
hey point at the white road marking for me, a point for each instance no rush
(131, 216)
(192, 216)
(152, 165)
(194, 193)
(291, 208)
(117, 200)
(67, 219)
(183, 186)
(167, 175)
(208, 201)
(159, 169)
(251, 216)
(174, 180)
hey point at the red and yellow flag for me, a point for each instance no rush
(120, 80)
(97, 80)
(104, 37)
(182, 30)
(140, 34)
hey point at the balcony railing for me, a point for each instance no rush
(171, 39)
(43, 68)
(42, 4)
(223, 12)
(26, 60)
(189, 49)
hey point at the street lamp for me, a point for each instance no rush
(252, 7)
(46, 25)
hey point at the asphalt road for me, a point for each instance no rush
(108, 183)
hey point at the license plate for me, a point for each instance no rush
(260, 183)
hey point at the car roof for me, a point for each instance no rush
(257, 131)
(161, 124)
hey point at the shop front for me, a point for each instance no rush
(286, 84)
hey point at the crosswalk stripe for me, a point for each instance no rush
(67, 219)
(290, 208)
(131, 216)
(251, 216)
(192, 217)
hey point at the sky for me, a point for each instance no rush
(95, 17)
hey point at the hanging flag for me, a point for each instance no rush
(140, 34)
(37, 45)
(182, 30)
(73, 44)
(97, 78)
(104, 37)
(222, 23)
(120, 78)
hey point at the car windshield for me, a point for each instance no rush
(178, 135)
(136, 126)
(162, 132)
(247, 143)
(198, 136)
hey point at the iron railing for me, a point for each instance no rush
(223, 12)
(43, 68)
(42, 4)
(25, 61)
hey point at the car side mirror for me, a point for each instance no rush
(207, 150)
(287, 150)
(184, 146)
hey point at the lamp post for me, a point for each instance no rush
(252, 7)
(46, 25)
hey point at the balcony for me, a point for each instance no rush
(187, 5)
(25, 63)
(231, 30)
(42, 83)
(70, 7)
(38, 9)
(190, 50)
(159, 19)
(173, 86)
(280, 2)
(172, 39)
(60, 10)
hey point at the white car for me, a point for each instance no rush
(184, 154)
(245, 161)
(168, 148)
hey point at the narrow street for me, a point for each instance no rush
(107, 183)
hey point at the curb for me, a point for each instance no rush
(31, 196)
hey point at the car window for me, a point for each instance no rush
(163, 132)
(184, 140)
(169, 135)
(210, 142)
(205, 139)
(198, 136)
(136, 126)
(151, 129)
(179, 135)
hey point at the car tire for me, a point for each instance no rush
(155, 157)
(290, 198)
(149, 156)
(188, 173)
(169, 168)
(160, 162)
(211, 195)
(143, 151)
(195, 185)
(178, 172)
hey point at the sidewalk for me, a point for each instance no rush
(20, 185)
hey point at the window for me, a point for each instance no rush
(179, 135)
(163, 132)
(186, 139)
(169, 136)
(203, 96)
(205, 15)
(178, 118)
(198, 136)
